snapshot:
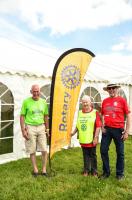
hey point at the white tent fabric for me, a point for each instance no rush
(26, 58)
(22, 65)
(111, 68)
(33, 59)
(19, 86)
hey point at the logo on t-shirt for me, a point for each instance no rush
(115, 103)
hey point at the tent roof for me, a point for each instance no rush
(90, 76)
(32, 60)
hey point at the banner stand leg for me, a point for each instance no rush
(52, 172)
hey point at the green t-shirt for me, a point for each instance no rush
(34, 111)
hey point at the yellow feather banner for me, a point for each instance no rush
(68, 75)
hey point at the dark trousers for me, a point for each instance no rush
(115, 134)
(90, 159)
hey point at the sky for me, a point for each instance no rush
(51, 27)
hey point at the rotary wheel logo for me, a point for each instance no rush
(83, 127)
(70, 76)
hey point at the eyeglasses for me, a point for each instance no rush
(109, 88)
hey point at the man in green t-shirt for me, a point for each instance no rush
(34, 126)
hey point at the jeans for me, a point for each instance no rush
(90, 159)
(115, 134)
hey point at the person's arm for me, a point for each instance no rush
(102, 119)
(103, 126)
(74, 132)
(96, 136)
(98, 124)
(46, 121)
(127, 128)
(23, 127)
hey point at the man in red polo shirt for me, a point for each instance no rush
(114, 111)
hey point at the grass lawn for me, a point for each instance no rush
(17, 183)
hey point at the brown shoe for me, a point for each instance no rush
(85, 174)
(95, 175)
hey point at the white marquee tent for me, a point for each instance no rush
(21, 66)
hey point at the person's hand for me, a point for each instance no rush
(47, 133)
(95, 140)
(103, 130)
(25, 133)
(124, 135)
